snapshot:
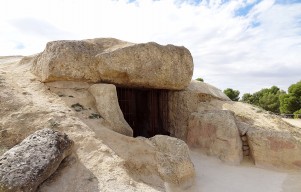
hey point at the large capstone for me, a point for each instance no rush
(25, 166)
(147, 65)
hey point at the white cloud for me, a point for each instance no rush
(259, 48)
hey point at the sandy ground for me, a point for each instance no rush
(215, 176)
(295, 122)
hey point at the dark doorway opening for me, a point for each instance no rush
(145, 110)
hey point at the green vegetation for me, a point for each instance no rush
(277, 101)
(267, 99)
(200, 79)
(232, 94)
(297, 114)
(291, 102)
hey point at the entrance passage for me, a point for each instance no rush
(145, 110)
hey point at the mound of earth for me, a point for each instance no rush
(71, 87)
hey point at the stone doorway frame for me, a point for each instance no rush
(145, 110)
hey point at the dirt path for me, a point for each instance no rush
(214, 176)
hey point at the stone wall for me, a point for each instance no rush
(183, 103)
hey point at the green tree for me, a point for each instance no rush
(291, 102)
(200, 79)
(297, 114)
(270, 102)
(267, 98)
(275, 100)
(247, 98)
(232, 94)
(295, 89)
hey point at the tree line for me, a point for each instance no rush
(272, 99)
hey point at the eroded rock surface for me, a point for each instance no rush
(148, 65)
(107, 105)
(28, 164)
(206, 91)
(175, 163)
(183, 103)
(280, 149)
(197, 116)
(272, 141)
(216, 133)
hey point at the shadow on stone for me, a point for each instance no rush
(71, 175)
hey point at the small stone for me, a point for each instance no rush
(132, 183)
(244, 138)
(77, 107)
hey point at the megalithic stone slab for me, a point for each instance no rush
(146, 65)
(25, 166)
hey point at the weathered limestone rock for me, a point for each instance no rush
(175, 165)
(183, 103)
(148, 65)
(279, 149)
(160, 159)
(272, 142)
(28, 164)
(203, 89)
(68, 85)
(107, 105)
(216, 133)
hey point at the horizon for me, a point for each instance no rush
(246, 45)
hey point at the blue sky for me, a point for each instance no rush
(245, 9)
(242, 44)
